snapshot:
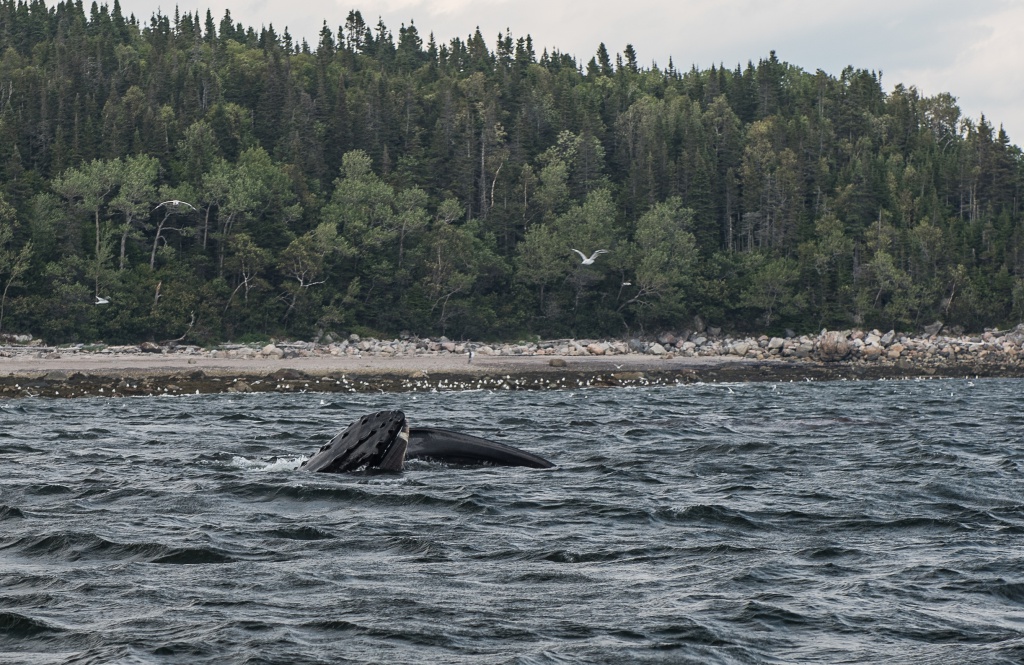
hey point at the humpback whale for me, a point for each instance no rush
(384, 440)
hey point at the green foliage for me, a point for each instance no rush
(378, 183)
(460, 263)
(664, 254)
(13, 262)
(306, 261)
(771, 288)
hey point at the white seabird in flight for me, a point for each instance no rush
(102, 301)
(174, 203)
(593, 256)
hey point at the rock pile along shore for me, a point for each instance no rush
(850, 346)
(370, 365)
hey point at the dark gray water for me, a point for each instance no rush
(828, 523)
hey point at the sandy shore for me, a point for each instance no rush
(141, 364)
(154, 364)
(87, 374)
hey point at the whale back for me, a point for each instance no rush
(444, 445)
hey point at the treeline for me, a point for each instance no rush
(380, 182)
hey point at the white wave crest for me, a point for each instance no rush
(274, 464)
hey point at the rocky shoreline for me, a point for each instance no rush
(28, 368)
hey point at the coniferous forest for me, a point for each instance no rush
(380, 182)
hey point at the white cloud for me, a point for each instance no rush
(985, 74)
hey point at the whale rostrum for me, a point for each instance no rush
(384, 440)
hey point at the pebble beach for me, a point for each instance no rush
(353, 364)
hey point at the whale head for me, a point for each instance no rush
(375, 441)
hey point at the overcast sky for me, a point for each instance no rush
(973, 50)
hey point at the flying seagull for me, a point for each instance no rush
(593, 256)
(174, 203)
(102, 301)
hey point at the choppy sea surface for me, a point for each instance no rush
(847, 522)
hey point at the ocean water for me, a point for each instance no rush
(846, 522)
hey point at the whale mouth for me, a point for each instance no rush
(375, 441)
(384, 440)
